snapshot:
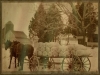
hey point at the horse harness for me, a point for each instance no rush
(15, 47)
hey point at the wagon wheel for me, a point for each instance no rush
(71, 64)
(34, 63)
(86, 64)
(51, 64)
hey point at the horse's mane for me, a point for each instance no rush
(14, 43)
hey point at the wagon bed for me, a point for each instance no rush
(70, 62)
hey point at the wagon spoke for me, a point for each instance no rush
(83, 59)
(84, 69)
(51, 63)
(66, 63)
(86, 61)
(33, 64)
(86, 64)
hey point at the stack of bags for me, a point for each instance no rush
(53, 49)
(47, 49)
(40, 49)
(80, 50)
(63, 51)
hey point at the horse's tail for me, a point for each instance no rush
(32, 50)
(29, 50)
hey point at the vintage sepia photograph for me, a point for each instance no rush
(49, 36)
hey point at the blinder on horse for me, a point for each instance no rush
(7, 44)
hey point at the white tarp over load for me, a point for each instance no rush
(56, 50)
(79, 50)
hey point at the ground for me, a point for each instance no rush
(5, 62)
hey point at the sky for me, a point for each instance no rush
(20, 14)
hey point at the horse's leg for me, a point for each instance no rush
(21, 62)
(29, 56)
(22, 56)
(15, 61)
(10, 61)
(18, 60)
(29, 59)
(18, 55)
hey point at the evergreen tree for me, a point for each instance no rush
(54, 22)
(38, 23)
(47, 25)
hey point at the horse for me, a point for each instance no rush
(24, 50)
(19, 50)
(11, 45)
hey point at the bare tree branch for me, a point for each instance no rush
(67, 12)
(88, 14)
(62, 8)
(91, 22)
(75, 10)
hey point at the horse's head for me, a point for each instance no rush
(7, 44)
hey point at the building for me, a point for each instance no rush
(17, 36)
(8, 33)
(88, 41)
(95, 39)
(8, 26)
(66, 39)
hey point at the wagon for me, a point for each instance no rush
(71, 61)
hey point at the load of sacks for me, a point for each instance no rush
(79, 50)
(53, 49)
(47, 49)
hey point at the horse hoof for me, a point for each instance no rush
(8, 67)
(20, 69)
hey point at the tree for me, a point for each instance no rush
(90, 18)
(82, 19)
(37, 24)
(67, 31)
(54, 22)
(88, 22)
